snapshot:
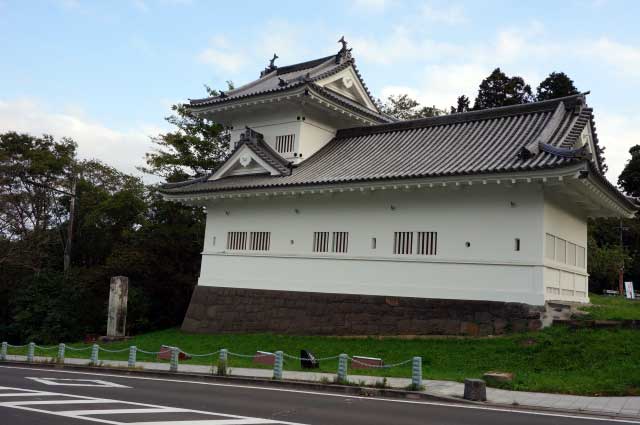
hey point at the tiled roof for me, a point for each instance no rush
(478, 142)
(293, 76)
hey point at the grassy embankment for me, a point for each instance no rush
(583, 361)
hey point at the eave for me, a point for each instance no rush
(299, 93)
(576, 176)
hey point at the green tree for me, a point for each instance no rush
(404, 107)
(195, 148)
(462, 105)
(557, 84)
(498, 89)
(629, 179)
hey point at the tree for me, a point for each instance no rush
(34, 178)
(629, 179)
(556, 85)
(404, 107)
(195, 148)
(462, 105)
(498, 89)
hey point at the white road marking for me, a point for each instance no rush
(250, 421)
(324, 394)
(54, 402)
(147, 408)
(26, 394)
(77, 382)
(119, 411)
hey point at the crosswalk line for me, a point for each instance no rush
(123, 411)
(25, 394)
(245, 421)
(54, 402)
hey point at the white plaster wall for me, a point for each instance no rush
(488, 217)
(277, 122)
(314, 135)
(563, 281)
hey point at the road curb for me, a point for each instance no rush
(354, 390)
(348, 390)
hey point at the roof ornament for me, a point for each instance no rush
(222, 94)
(272, 60)
(344, 53)
(271, 67)
(282, 83)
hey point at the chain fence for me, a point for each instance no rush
(173, 354)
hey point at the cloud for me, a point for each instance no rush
(402, 45)
(376, 6)
(617, 133)
(122, 149)
(221, 56)
(623, 57)
(450, 14)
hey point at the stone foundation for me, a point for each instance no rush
(234, 310)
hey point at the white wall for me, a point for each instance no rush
(564, 281)
(276, 122)
(488, 217)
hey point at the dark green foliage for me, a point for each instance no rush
(195, 148)
(557, 84)
(629, 179)
(404, 107)
(498, 89)
(462, 105)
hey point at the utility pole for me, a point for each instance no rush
(621, 271)
(72, 213)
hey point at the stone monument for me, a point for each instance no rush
(117, 315)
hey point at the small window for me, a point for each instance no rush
(320, 241)
(580, 256)
(550, 246)
(237, 240)
(374, 243)
(571, 254)
(561, 250)
(427, 243)
(214, 241)
(340, 242)
(516, 245)
(403, 243)
(284, 144)
(260, 241)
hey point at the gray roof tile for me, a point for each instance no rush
(488, 141)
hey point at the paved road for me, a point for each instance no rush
(42, 396)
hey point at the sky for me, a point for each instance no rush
(106, 73)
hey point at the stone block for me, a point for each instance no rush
(475, 390)
(497, 378)
(225, 310)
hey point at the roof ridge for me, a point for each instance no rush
(491, 113)
(303, 65)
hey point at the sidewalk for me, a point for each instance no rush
(615, 406)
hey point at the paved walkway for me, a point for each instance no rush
(616, 406)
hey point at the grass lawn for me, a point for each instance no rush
(583, 361)
(612, 308)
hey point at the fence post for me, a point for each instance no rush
(3, 351)
(30, 351)
(173, 363)
(416, 373)
(94, 355)
(61, 348)
(277, 366)
(131, 362)
(342, 368)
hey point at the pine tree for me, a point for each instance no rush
(556, 85)
(498, 89)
